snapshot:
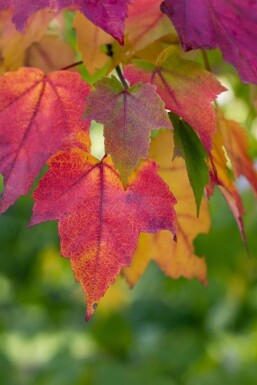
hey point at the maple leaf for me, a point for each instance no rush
(228, 25)
(146, 23)
(219, 176)
(45, 54)
(192, 150)
(90, 39)
(186, 89)
(237, 145)
(99, 222)
(128, 117)
(13, 44)
(110, 15)
(36, 113)
(232, 137)
(5, 4)
(152, 51)
(178, 258)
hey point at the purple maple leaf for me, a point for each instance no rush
(109, 15)
(230, 25)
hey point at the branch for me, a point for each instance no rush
(206, 60)
(121, 77)
(71, 65)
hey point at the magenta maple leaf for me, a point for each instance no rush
(230, 25)
(109, 15)
(4, 4)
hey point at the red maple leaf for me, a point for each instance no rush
(36, 113)
(99, 222)
(185, 88)
(228, 25)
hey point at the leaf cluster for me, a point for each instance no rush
(125, 69)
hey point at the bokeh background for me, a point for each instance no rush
(165, 332)
(162, 332)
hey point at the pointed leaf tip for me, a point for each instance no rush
(195, 157)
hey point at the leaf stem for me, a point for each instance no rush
(105, 156)
(206, 60)
(72, 65)
(215, 172)
(117, 68)
(121, 77)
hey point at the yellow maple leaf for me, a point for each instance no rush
(90, 39)
(45, 54)
(13, 44)
(178, 258)
(236, 143)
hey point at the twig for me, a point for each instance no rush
(206, 60)
(71, 65)
(121, 77)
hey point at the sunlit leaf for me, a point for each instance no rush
(99, 222)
